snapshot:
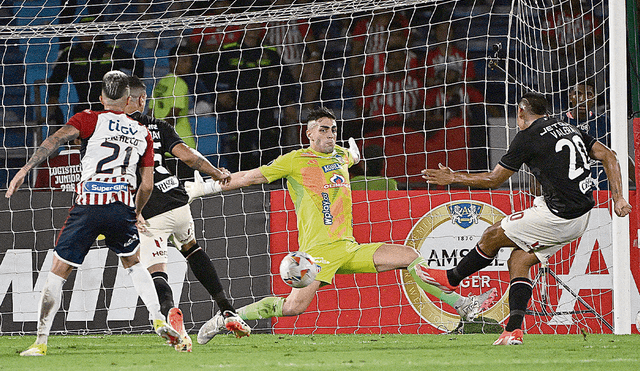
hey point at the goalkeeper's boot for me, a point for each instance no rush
(35, 350)
(176, 321)
(235, 324)
(471, 306)
(510, 338)
(435, 277)
(210, 329)
(229, 321)
(165, 331)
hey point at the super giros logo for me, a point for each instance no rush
(443, 236)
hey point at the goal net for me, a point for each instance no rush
(416, 83)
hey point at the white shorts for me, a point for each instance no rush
(153, 244)
(537, 229)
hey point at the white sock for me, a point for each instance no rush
(50, 299)
(143, 283)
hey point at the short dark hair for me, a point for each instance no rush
(136, 84)
(535, 103)
(320, 112)
(115, 85)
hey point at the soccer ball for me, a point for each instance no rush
(298, 269)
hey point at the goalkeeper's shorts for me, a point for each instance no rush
(343, 257)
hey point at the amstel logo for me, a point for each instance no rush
(445, 235)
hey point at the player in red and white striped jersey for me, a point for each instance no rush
(114, 147)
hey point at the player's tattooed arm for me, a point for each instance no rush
(51, 144)
(48, 146)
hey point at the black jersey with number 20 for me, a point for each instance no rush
(558, 156)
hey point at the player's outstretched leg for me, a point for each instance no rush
(177, 322)
(221, 321)
(427, 277)
(469, 307)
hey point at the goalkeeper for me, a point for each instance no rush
(318, 185)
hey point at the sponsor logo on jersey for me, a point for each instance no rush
(443, 236)
(336, 181)
(167, 184)
(100, 187)
(124, 129)
(326, 209)
(331, 167)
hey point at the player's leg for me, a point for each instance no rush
(390, 256)
(153, 256)
(121, 236)
(520, 290)
(50, 299)
(73, 243)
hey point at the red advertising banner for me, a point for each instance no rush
(444, 227)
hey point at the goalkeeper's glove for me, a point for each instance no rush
(353, 149)
(199, 187)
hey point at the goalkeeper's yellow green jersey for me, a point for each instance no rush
(319, 187)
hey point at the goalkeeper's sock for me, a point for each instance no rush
(474, 261)
(165, 295)
(519, 295)
(450, 298)
(265, 308)
(205, 272)
(50, 299)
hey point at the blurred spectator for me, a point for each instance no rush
(210, 39)
(62, 172)
(299, 51)
(574, 39)
(375, 64)
(453, 110)
(86, 62)
(581, 113)
(256, 94)
(454, 99)
(445, 55)
(372, 167)
(393, 98)
(369, 36)
(171, 100)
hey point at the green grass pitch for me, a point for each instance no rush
(329, 352)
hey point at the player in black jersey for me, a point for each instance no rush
(168, 215)
(557, 154)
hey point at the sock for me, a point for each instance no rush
(474, 261)
(205, 272)
(265, 308)
(50, 299)
(519, 294)
(143, 284)
(165, 295)
(450, 299)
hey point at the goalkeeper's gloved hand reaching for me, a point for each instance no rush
(199, 187)
(353, 149)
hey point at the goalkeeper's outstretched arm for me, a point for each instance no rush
(199, 187)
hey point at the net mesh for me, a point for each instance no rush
(416, 83)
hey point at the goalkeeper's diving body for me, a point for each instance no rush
(318, 176)
(548, 147)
